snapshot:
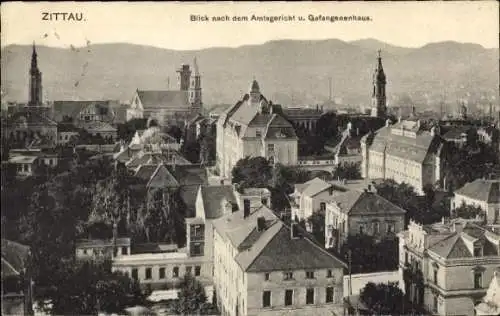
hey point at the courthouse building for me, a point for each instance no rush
(251, 128)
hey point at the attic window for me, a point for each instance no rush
(258, 133)
(478, 251)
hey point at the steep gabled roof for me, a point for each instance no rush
(315, 186)
(161, 178)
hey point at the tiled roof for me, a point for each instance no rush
(188, 194)
(359, 202)
(409, 148)
(163, 98)
(273, 248)
(456, 132)
(482, 190)
(212, 197)
(23, 159)
(66, 128)
(97, 126)
(14, 257)
(302, 112)
(30, 118)
(144, 172)
(162, 178)
(315, 186)
(189, 174)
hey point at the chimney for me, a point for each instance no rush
(246, 208)
(458, 227)
(261, 223)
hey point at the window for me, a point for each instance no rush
(478, 280)
(196, 250)
(258, 133)
(264, 201)
(270, 148)
(135, 274)
(406, 257)
(478, 251)
(376, 227)
(309, 274)
(288, 297)
(148, 273)
(435, 304)
(266, 276)
(84, 251)
(266, 298)
(435, 276)
(322, 206)
(288, 275)
(197, 271)
(161, 273)
(329, 294)
(124, 251)
(310, 296)
(188, 269)
(175, 272)
(361, 229)
(390, 227)
(329, 274)
(271, 160)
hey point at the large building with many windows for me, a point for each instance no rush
(250, 128)
(403, 152)
(456, 260)
(263, 267)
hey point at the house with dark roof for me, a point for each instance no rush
(264, 267)
(482, 193)
(85, 111)
(358, 212)
(456, 258)
(404, 152)
(252, 128)
(16, 279)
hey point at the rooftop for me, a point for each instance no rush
(482, 190)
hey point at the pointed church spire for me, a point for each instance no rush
(196, 71)
(379, 72)
(34, 62)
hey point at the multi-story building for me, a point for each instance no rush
(311, 197)
(263, 267)
(170, 105)
(358, 212)
(481, 193)
(250, 128)
(303, 118)
(403, 152)
(455, 261)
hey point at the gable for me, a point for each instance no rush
(162, 179)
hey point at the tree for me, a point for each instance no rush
(468, 211)
(86, 288)
(350, 171)
(383, 298)
(317, 222)
(191, 298)
(252, 172)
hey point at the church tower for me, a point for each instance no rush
(195, 89)
(35, 97)
(183, 75)
(379, 105)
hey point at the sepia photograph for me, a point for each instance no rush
(250, 158)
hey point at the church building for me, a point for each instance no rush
(379, 101)
(251, 128)
(32, 124)
(170, 106)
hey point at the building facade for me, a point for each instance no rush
(480, 193)
(403, 152)
(455, 259)
(361, 212)
(262, 267)
(251, 129)
(170, 106)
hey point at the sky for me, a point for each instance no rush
(169, 25)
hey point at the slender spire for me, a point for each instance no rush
(34, 62)
(379, 72)
(196, 71)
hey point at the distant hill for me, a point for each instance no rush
(289, 72)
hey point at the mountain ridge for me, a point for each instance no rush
(292, 72)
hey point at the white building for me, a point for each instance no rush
(405, 153)
(480, 193)
(251, 129)
(262, 267)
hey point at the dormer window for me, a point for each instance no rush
(258, 133)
